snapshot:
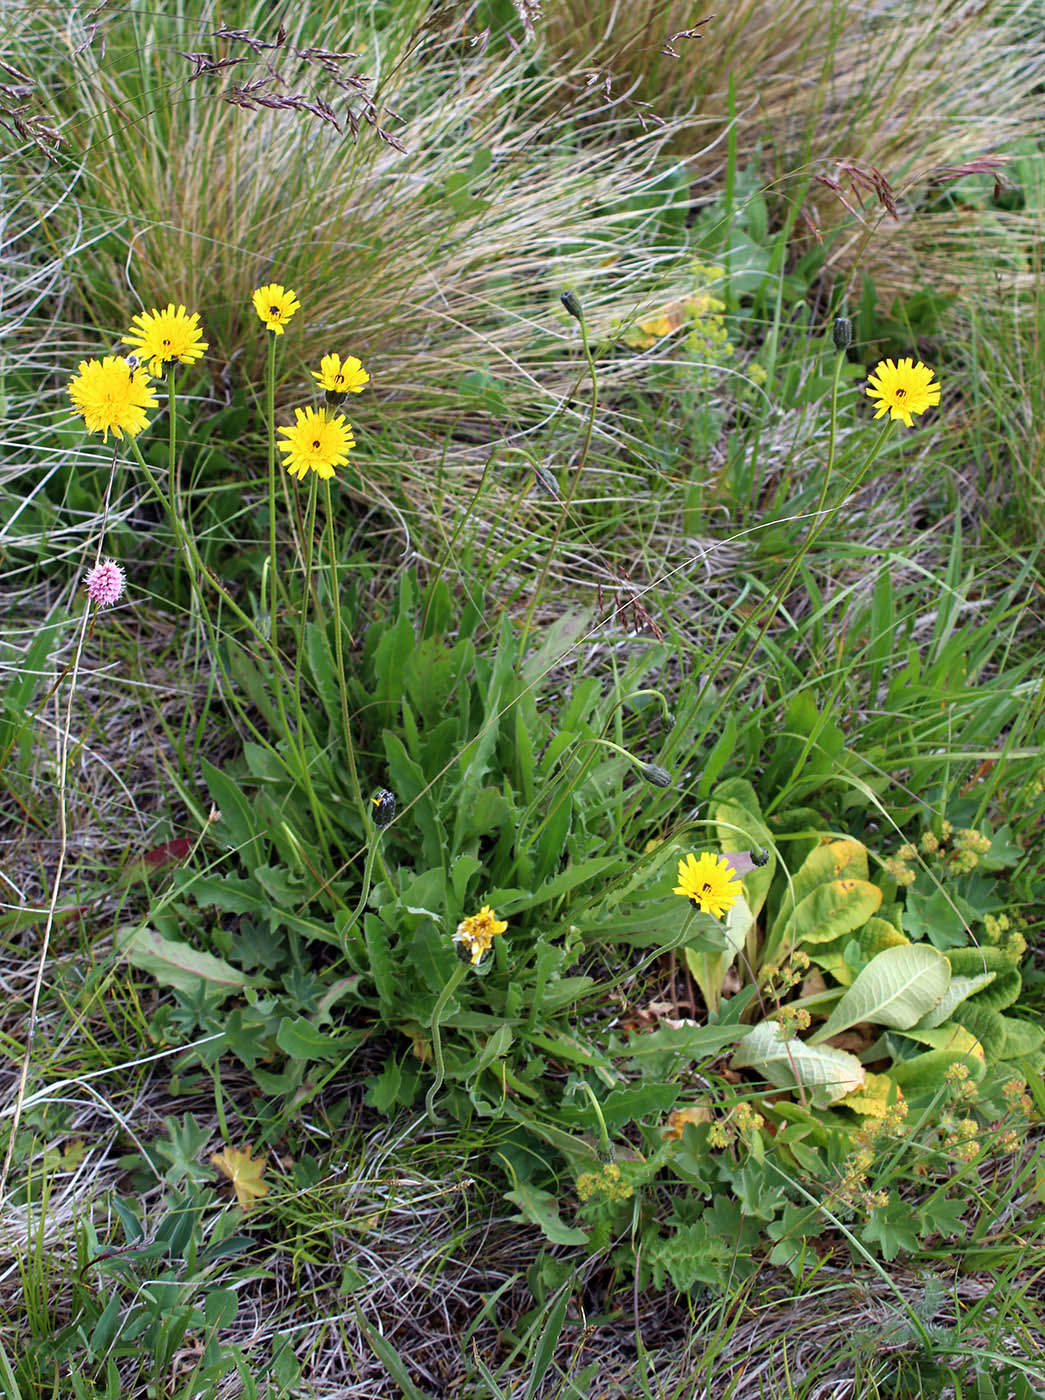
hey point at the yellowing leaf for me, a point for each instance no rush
(244, 1172)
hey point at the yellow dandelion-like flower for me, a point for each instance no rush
(710, 883)
(317, 442)
(165, 336)
(477, 932)
(110, 395)
(338, 376)
(275, 305)
(902, 389)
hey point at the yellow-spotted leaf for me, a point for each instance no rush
(827, 1073)
(879, 934)
(896, 989)
(872, 1100)
(833, 860)
(244, 1171)
(831, 909)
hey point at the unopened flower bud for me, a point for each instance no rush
(572, 305)
(384, 807)
(653, 773)
(842, 331)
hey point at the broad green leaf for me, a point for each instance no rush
(653, 1052)
(925, 1073)
(986, 1025)
(540, 1208)
(300, 1040)
(382, 967)
(245, 896)
(709, 969)
(322, 667)
(495, 1048)
(935, 916)
(830, 1074)
(877, 935)
(739, 823)
(959, 989)
(559, 885)
(565, 1047)
(1005, 986)
(1021, 1037)
(238, 818)
(476, 755)
(826, 863)
(181, 966)
(831, 909)
(896, 988)
(951, 1037)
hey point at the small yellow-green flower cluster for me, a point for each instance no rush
(777, 979)
(791, 1020)
(742, 1121)
(698, 316)
(1001, 934)
(608, 1184)
(876, 1135)
(960, 1137)
(956, 852)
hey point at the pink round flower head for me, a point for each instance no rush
(105, 584)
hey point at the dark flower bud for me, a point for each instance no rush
(384, 808)
(572, 305)
(760, 857)
(653, 773)
(842, 331)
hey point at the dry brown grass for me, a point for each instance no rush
(817, 85)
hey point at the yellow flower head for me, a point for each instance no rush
(709, 882)
(275, 305)
(339, 376)
(317, 442)
(902, 389)
(162, 336)
(477, 932)
(108, 394)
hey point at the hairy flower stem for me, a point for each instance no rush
(368, 870)
(773, 600)
(197, 566)
(452, 983)
(270, 418)
(346, 724)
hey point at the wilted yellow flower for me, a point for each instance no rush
(477, 932)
